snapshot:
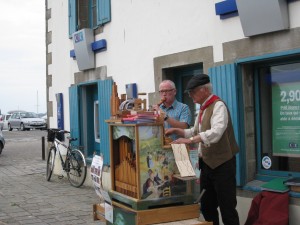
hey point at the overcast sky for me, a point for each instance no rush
(22, 55)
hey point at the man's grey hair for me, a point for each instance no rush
(168, 82)
(208, 86)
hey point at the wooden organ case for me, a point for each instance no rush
(142, 171)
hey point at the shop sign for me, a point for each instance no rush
(286, 119)
(253, 15)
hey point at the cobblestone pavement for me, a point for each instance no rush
(27, 198)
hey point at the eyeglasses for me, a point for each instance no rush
(165, 91)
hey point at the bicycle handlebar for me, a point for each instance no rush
(58, 130)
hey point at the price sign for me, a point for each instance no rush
(290, 96)
(286, 119)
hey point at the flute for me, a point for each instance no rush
(161, 101)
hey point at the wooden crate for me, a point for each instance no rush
(154, 216)
(187, 222)
(147, 216)
(99, 212)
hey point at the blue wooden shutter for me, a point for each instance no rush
(72, 17)
(104, 94)
(74, 113)
(224, 81)
(103, 12)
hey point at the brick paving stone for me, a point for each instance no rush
(27, 198)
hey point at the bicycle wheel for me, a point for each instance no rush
(76, 168)
(50, 163)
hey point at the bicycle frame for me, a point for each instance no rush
(57, 143)
(74, 164)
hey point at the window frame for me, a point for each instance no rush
(283, 55)
(101, 7)
(259, 136)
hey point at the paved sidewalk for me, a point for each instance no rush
(27, 198)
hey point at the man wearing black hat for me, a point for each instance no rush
(213, 131)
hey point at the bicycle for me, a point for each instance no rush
(74, 164)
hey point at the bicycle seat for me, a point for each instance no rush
(72, 139)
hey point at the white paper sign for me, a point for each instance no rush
(109, 213)
(182, 160)
(96, 173)
(105, 195)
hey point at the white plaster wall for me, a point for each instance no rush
(138, 32)
(243, 206)
(143, 30)
(62, 66)
(294, 215)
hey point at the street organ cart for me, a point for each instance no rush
(144, 188)
(142, 175)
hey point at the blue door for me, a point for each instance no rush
(225, 85)
(89, 108)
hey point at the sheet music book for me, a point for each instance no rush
(182, 160)
(293, 181)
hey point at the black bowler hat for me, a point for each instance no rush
(196, 81)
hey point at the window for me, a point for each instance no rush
(96, 122)
(88, 14)
(94, 14)
(278, 116)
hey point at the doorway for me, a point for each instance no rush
(89, 119)
(180, 76)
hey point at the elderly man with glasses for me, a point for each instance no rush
(177, 114)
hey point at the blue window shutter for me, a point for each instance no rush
(72, 17)
(103, 12)
(104, 95)
(224, 81)
(74, 113)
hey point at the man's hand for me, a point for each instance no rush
(178, 131)
(170, 131)
(182, 141)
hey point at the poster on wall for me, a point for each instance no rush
(286, 119)
(60, 110)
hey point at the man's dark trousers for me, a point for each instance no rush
(220, 190)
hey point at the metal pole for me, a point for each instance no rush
(200, 196)
(43, 148)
